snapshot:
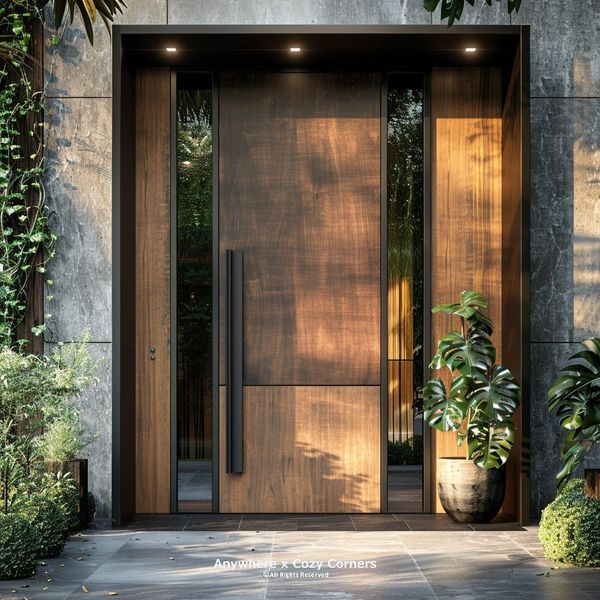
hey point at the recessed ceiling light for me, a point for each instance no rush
(471, 49)
(171, 49)
(295, 49)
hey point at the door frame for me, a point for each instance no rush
(135, 45)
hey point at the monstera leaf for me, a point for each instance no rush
(452, 9)
(467, 356)
(574, 398)
(495, 394)
(490, 444)
(469, 308)
(442, 411)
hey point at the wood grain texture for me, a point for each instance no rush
(466, 226)
(299, 174)
(517, 479)
(152, 230)
(306, 449)
(400, 400)
(400, 354)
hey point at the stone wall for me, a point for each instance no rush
(565, 203)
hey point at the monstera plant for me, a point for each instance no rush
(575, 399)
(483, 396)
(452, 9)
(478, 405)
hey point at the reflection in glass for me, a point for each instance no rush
(405, 291)
(194, 294)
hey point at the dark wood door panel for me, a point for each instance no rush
(306, 449)
(299, 162)
(152, 243)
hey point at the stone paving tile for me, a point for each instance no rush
(383, 522)
(83, 555)
(332, 567)
(210, 522)
(432, 523)
(443, 565)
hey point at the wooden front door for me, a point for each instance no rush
(299, 197)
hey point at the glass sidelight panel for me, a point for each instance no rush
(194, 293)
(405, 291)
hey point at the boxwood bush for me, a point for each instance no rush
(569, 527)
(49, 520)
(18, 547)
(63, 490)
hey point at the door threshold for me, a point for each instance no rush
(310, 522)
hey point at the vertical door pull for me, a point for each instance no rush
(234, 337)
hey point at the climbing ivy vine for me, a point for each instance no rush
(26, 242)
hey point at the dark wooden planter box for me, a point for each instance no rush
(592, 483)
(79, 471)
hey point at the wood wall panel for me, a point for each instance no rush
(306, 449)
(299, 173)
(517, 497)
(152, 231)
(466, 204)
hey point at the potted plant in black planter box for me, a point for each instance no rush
(479, 405)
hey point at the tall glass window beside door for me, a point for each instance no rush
(194, 303)
(405, 291)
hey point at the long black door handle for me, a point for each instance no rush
(234, 344)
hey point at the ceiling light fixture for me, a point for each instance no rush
(171, 49)
(471, 49)
(295, 49)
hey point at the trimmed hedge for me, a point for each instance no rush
(49, 520)
(66, 495)
(18, 547)
(570, 527)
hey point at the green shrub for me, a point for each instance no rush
(49, 520)
(62, 442)
(64, 491)
(18, 547)
(570, 526)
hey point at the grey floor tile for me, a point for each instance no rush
(426, 564)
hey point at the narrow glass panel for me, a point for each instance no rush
(405, 291)
(194, 294)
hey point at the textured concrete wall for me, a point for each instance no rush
(565, 211)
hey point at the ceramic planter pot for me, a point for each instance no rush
(468, 493)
